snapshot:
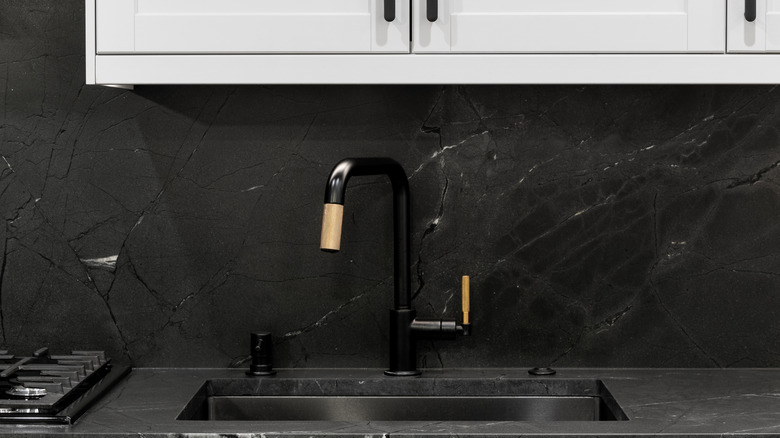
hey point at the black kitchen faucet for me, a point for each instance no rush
(405, 329)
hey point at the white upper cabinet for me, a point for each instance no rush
(754, 32)
(251, 26)
(132, 42)
(569, 26)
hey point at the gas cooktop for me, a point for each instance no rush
(53, 389)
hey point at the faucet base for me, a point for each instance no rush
(403, 373)
(403, 348)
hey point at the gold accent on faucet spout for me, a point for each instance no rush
(332, 218)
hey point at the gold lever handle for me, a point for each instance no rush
(465, 292)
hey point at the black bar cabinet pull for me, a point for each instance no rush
(750, 10)
(433, 10)
(389, 10)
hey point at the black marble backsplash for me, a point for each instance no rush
(602, 226)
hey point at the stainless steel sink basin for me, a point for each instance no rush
(341, 408)
(278, 399)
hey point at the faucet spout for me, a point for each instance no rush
(332, 217)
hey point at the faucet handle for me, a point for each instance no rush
(465, 290)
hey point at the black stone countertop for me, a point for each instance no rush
(672, 402)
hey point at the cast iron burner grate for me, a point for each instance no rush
(53, 389)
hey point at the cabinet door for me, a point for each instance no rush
(249, 26)
(571, 26)
(760, 35)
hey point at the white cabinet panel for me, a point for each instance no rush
(252, 33)
(249, 26)
(571, 26)
(773, 25)
(114, 25)
(760, 35)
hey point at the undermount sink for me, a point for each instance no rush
(278, 399)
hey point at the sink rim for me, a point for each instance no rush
(436, 387)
